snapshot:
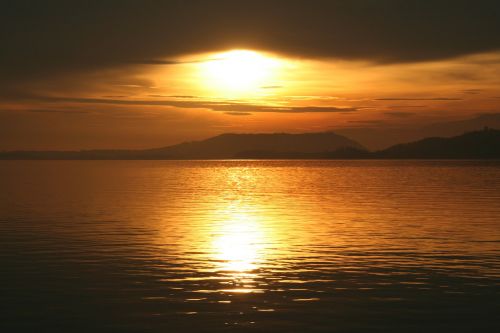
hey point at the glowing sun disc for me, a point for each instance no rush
(239, 70)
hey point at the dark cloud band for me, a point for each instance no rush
(44, 38)
(223, 106)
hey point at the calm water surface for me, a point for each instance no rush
(282, 246)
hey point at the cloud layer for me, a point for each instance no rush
(40, 38)
(232, 108)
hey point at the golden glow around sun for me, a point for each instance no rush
(239, 71)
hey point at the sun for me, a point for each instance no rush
(239, 71)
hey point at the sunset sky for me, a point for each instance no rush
(139, 74)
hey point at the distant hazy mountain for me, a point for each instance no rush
(483, 144)
(378, 137)
(472, 145)
(231, 145)
(218, 147)
(479, 144)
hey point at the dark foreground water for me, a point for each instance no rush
(268, 246)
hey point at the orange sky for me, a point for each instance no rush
(200, 95)
(138, 74)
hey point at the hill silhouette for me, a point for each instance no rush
(223, 146)
(483, 144)
(478, 144)
(230, 145)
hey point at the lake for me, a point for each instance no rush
(250, 246)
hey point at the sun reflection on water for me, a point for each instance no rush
(238, 247)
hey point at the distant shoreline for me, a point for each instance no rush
(477, 145)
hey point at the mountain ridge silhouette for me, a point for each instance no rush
(483, 144)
